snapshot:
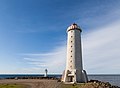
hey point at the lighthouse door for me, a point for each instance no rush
(71, 79)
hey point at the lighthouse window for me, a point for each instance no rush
(71, 41)
(71, 36)
(71, 50)
(71, 56)
(71, 31)
(70, 66)
(71, 61)
(71, 46)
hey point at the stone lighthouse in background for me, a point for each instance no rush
(74, 72)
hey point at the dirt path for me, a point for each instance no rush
(33, 83)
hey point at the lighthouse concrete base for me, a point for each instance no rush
(69, 77)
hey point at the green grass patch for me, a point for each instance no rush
(12, 86)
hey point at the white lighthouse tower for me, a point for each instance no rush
(74, 72)
(46, 71)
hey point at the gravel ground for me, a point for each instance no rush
(33, 83)
(49, 83)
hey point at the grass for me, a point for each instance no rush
(12, 86)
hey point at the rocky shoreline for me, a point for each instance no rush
(102, 84)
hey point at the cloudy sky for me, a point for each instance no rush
(33, 35)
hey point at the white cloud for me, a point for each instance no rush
(101, 49)
(54, 60)
(100, 53)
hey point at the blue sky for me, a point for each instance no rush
(33, 35)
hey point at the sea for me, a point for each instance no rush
(114, 79)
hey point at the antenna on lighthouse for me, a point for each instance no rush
(46, 71)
